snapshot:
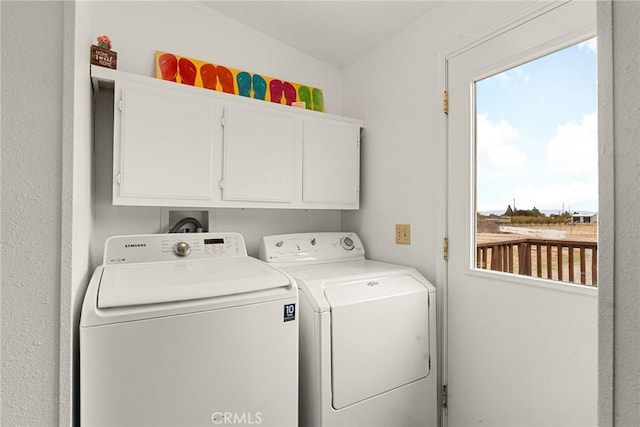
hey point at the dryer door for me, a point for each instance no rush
(379, 336)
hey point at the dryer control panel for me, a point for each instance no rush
(167, 247)
(294, 249)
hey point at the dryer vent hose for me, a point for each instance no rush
(184, 221)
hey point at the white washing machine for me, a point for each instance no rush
(367, 333)
(187, 330)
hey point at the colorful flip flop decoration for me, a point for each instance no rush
(210, 76)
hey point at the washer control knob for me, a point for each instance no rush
(347, 243)
(182, 249)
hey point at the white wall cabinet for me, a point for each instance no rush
(259, 155)
(331, 162)
(180, 146)
(164, 146)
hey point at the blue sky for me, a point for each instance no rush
(537, 134)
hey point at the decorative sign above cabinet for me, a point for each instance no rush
(178, 146)
(194, 72)
(102, 54)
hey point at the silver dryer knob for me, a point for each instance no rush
(347, 243)
(182, 249)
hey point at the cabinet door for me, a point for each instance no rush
(331, 162)
(259, 155)
(165, 149)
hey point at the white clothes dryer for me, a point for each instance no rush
(186, 329)
(367, 333)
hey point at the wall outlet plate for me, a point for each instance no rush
(403, 234)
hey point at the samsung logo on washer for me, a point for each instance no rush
(135, 245)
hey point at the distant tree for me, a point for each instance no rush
(535, 212)
(509, 211)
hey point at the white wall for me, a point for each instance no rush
(626, 286)
(606, 213)
(31, 180)
(187, 28)
(137, 29)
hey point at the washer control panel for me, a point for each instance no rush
(347, 243)
(167, 247)
(182, 249)
(311, 247)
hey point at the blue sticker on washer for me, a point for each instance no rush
(289, 312)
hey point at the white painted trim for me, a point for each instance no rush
(538, 282)
(1, 239)
(606, 214)
(528, 13)
(441, 279)
(66, 357)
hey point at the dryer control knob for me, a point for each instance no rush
(347, 243)
(182, 249)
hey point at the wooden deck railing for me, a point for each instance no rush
(563, 260)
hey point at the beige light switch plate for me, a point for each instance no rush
(403, 234)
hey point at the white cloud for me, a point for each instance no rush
(573, 150)
(492, 138)
(569, 176)
(497, 156)
(590, 45)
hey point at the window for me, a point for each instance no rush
(536, 170)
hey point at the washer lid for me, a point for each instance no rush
(379, 337)
(158, 282)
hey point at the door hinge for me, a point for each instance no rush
(445, 248)
(119, 178)
(444, 396)
(445, 102)
(120, 105)
(221, 185)
(222, 121)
